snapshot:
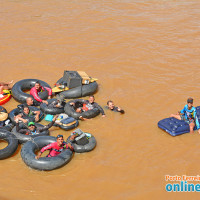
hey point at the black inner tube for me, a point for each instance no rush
(80, 91)
(12, 144)
(84, 148)
(44, 163)
(27, 84)
(49, 109)
(70, 110)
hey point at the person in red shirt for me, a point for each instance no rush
(57, 147)
(38, 88)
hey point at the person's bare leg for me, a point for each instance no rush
(192, 125)
(6, 87)
(176, 116)
(6, 84)
(1, 89)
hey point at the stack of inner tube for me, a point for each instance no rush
(80, 91)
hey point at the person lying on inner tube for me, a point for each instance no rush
(32, 129)
(111, 106)
(87, 105)
(57, 147)
(37, 89)
(26, 115)
(5, 86)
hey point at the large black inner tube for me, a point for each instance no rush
(84, 148)
(80, 91)
(27, 84)
(16, 111)
(12, 144)
(24, 138)
(47, 109)
(70, 110)
(44, 163)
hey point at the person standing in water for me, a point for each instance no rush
(189, 115)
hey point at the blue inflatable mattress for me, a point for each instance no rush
(176, 127)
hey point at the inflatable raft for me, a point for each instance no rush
(176, 127)
(5, 96)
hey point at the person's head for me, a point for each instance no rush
(190, 102)
(91, 98)
(31, 126)
(3, 116)
(78, 110)
(59, 140)
(29, 101)
(26, 110)
(110, 104)
(37, 85)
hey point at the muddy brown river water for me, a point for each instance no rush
(145, 55)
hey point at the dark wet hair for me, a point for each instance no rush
(58, 136)
(37, 82)
(91, 96)
(190, 100)
(109, 102)
(25, 107)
